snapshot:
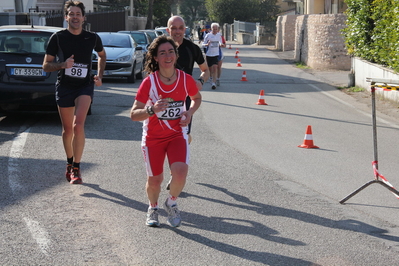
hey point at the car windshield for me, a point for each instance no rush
(152, 35)
(140, 38)
(115, 40)
(24, 42)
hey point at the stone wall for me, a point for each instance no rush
(286, 32)
(136, 23)
(317, 39)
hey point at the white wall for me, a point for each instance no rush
(28, 4)
(6, 5)
(364, 70)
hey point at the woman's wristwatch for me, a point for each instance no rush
(149, 110)
(201, 80)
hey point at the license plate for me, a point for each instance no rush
(36, 72)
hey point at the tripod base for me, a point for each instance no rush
(368, 184)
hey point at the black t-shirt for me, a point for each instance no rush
(64, 44)
(189, 53)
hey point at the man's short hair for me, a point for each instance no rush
(70, 3)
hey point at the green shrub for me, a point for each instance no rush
(372, 31)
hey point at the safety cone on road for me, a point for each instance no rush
(230, 46)
(237, 51)
(244, 76)
(308, 141)
(236, 55)
(239, 63)
(261, 100)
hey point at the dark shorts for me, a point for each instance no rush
(66, 95)
(212, 60)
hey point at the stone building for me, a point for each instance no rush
(316, 38)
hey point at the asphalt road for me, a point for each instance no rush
(253, 197)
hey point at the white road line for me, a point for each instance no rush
(15, 153)
(38, 233)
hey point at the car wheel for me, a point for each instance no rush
(132, 77)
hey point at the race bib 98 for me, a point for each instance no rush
(78, 70)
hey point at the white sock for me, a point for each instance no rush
(153, 207)
(171, 200)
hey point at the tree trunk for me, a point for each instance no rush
(150, 14)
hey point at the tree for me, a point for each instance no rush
(150, 14)
(226, 11)
(192, 10)
(162, 11)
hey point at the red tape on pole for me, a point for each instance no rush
(378, 175)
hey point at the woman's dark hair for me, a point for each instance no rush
(151, 65)
(79, 4)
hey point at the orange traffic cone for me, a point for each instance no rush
(237, 51)
(236, 55)
(308, 141)
(239, 63)
(244, 76)
(261, 100)
(230, 46)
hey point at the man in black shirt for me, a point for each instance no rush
(69, 52)
(189, 53)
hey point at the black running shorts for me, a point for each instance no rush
(66, 95)
(212, 60)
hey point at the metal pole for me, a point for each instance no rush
(373, 108)
(375, 163)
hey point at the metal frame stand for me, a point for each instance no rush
(378, 179)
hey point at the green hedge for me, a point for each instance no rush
(372, 31)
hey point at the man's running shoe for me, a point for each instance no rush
(68, 172)
(75, 176)
(152, 218)
(174, 218)
(218, 82)
(213, 86)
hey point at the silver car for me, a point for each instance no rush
(141, 38)
(124, 56)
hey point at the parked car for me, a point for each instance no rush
(140, 37)
(151, 34)
(23, 83)
(124, 56)
(161, 31)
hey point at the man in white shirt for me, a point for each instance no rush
(212, 42)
